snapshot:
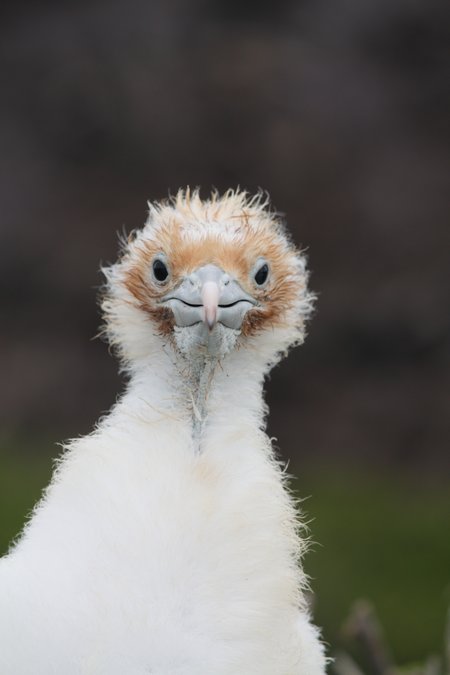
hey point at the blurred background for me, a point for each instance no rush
(340, 110)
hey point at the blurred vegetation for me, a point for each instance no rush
(385, 539)
(379, 538)
(366, 636)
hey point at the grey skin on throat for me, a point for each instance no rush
(208, 307)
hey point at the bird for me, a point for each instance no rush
(168, 541)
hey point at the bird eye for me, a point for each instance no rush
(160, 271)
(262, 274)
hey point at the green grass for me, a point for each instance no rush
(386, 540)
(23, 475)
(379, 538)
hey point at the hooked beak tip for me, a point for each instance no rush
(210, 297)
(210, 323)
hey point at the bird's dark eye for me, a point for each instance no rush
(160, 271)
(261, 274)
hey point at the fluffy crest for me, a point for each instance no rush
(232, 204)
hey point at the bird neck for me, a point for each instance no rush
(205, 393)
(197, 385)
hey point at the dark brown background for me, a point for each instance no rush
(339, 109)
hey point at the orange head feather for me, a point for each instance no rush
(233, 232)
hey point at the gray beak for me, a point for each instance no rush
(211, 296)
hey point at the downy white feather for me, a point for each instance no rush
(167, 542)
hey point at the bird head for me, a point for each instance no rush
(208, 277)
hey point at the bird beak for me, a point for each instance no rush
(209, 296)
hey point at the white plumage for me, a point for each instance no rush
(166, 543)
